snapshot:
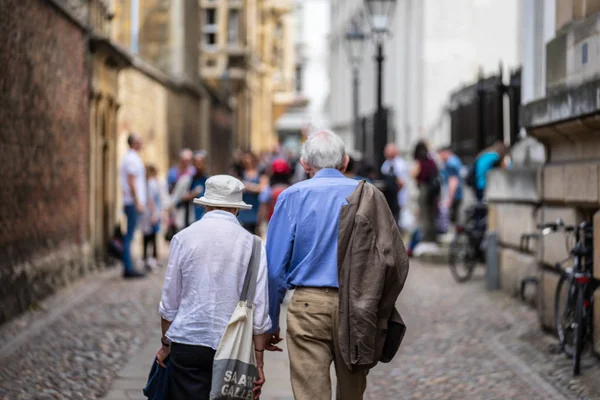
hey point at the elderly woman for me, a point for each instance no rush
(204, 278)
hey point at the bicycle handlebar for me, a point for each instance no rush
(559, 224)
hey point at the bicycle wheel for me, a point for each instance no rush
(564, 312)
(579, 332)
(462, 257)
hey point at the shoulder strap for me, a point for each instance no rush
(252, 273)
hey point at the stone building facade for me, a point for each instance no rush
(247, 54)
(561, 89)
(71, 92)
(45, 146)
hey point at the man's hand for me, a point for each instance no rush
(162, 354)
(139, 207)
(259, 383)
(272, 341)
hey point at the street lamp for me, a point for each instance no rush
(355, 44)
(380, 14)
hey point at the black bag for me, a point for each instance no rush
(171, 231)
(470, 178)
(390, 190)
(434, 186)
(394, 335)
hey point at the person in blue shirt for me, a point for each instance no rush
(488, 159)
(453, 182)
(302, 244)
(255, 182)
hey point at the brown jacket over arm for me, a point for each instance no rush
(372, 268)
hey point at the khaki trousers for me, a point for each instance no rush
(312, 326)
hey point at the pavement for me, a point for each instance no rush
(97, 340)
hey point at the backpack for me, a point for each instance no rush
(390, 190)
(434, 186)
(470, 178)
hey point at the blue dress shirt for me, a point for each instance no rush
(303, 234)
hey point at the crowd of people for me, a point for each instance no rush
(150, 202)
(441, 180)
(439, 176)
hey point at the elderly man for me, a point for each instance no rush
(205, 275)
(340, 302)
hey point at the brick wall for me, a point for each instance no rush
(44, 147)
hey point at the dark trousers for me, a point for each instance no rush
(191, 372)
(150, 239)
(132, 214)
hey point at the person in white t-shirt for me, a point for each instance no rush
(396, 165)
(133, 183)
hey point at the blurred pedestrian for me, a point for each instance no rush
(255, 184)
(152, 217)
(187, 189)
(426, 174)
(133, 185)
(302, 248)
(452, 179)
(351, 171)
(396, 174)
(182, 169)
(236, 168)
(279, 181)
(205, 275)
(488, 159)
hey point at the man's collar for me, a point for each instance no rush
(220, 214)
(328, 173)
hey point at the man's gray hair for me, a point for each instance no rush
(324, 149)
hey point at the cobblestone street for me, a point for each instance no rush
(462, 343)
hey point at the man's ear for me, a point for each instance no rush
(305, 166)
(345, 165)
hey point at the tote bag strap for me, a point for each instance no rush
(251, 274)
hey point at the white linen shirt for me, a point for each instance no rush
(133, 165)
(204, 278)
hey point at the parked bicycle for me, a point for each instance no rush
(467, 248)
(574, 296)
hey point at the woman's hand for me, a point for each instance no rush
(162, 354)
(259, 383)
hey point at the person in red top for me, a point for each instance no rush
(281, 175)
(426, 174)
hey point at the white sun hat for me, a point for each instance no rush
(223, 191)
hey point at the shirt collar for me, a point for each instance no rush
(329, 173)
(219, 214)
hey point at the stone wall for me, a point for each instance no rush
(44, 143)
(513, 211)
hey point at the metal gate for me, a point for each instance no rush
(477, 114)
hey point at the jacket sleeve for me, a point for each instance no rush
(392, 251)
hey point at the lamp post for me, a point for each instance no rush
(355, 44)
(380, 13)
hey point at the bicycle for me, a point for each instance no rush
(574, 315)
(467, 248)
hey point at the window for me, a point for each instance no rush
(209, 29)
(233, 27)
(298, 78)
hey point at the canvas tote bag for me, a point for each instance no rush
(234, 367)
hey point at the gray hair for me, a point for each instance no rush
(324, 149)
